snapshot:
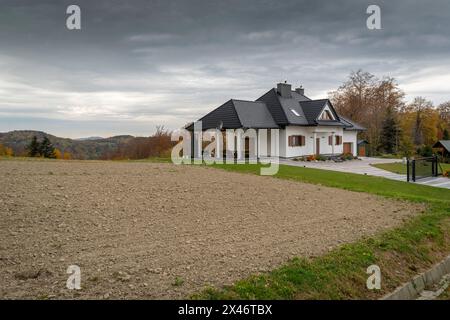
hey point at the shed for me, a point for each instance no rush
(444, 146)
(362, 150)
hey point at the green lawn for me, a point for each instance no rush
(341, 274)
(400, 168)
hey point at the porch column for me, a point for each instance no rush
(257, 145)
(219, 143)
(332, 143)
(239, 144)
(315, 143)
(262, 143)
(230, 138)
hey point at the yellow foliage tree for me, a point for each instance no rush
(58, 154)
(9, 152)
(6, 151)
(420, 121)
(67, 156)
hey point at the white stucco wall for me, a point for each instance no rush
(310, 134)
(352, 136)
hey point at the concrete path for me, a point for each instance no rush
(363, 166)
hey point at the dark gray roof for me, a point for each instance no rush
(288, 105)
(224, 117)
(351, 125)
(361, 141)
(254, 114)
(272, 101)
(443, 144)
(235, 114)
(314, 108)
(272, 111)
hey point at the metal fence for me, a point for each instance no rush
(419, 168)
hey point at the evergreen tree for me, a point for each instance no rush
(390, 132)
(47, 150)
(446, 135)
(34, 147)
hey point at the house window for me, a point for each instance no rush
(330, 140)
(326, 115)
(338, 140)
(296, 141)
(295, 112)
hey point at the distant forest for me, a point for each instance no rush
(18, 142)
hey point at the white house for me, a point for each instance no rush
(306, 127)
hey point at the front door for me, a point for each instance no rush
(317, 146)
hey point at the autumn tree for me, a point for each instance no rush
(67, 155)
(157, 145)
(161, 142)
(58, 154)
(420, 120)
(6, 151)
(365, 99)
(444, 120)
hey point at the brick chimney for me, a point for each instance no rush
(300, 90)
(284, 89)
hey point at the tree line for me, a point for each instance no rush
(393, 125)
(157, 145)
(45, 149)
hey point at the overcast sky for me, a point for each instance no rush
(136, 64)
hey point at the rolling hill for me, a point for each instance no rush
(88, 149)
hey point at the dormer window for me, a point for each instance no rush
(326, 115)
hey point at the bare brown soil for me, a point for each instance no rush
(150, 231)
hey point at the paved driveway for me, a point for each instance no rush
(363, 166)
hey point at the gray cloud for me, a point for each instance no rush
(168, 62)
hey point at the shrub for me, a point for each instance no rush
(347, 156)
(425, 151)
(321, 158)
(311, 158)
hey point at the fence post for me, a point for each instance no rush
(407, 169)
(414, 170)
(436, 171)
(433, 170)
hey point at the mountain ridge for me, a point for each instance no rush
(89, 149)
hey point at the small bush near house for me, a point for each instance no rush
(347, 156)
(311, 158)
(321, 158)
